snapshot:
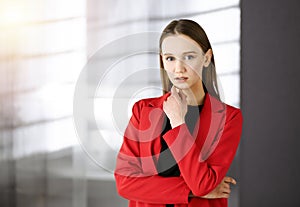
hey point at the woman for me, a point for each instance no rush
(178, 147)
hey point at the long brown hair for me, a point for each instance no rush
(194, 31)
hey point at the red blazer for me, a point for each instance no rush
(203, 157)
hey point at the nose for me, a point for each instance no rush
(179, 66)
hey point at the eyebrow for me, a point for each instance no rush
(182, 53)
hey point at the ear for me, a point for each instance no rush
(207, 58)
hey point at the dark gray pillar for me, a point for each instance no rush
(270, 148)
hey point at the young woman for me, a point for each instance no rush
(178, 148)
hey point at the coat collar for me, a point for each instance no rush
(210, 103)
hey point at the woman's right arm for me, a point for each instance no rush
(133, 184)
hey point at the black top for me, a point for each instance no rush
(166, 165)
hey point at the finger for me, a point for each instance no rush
(173, 90)
(230, 180)
(226, 190)
(177, 96)
(174, 93)
(226, 186)
(182, 95)
(225, 195)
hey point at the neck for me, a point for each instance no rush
(195, 94)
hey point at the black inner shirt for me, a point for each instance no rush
(166, 165)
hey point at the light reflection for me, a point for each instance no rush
(11, 13)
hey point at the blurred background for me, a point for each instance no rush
(44, 46)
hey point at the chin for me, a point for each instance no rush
(181, 86)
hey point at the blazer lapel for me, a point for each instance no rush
(153, 116)
(212, 121)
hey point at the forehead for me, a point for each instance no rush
(178, 44)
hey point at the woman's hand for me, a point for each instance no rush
(221, 191)
(175, 107)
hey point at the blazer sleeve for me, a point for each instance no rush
(202, 176)
(134, 184)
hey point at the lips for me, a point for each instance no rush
(181, 78)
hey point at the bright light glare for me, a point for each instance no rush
(11, 13)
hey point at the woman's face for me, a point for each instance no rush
(183, 60)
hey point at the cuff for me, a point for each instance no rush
(178, 131)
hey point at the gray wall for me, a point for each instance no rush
(270, 172)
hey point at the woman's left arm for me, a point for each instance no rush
(202, 176)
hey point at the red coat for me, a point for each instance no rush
(203, 158)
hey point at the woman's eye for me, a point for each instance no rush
(169, 58)
(189, 57)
